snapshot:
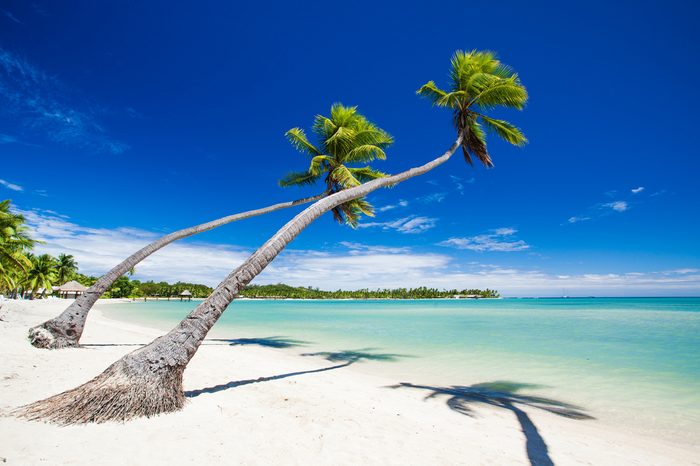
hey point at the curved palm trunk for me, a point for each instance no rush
(65, 329)
(148, 381)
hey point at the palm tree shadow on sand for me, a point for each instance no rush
(344, 358)
(504, 394)
(267, 342)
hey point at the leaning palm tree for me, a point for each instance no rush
(148, 381)
(346, 138)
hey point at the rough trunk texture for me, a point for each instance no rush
(65, 330)
(148, 381)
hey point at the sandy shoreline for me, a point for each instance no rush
(297, 414)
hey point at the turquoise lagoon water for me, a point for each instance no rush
(630, 362)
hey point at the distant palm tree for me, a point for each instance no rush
(41, 274)
(66, 268)
(14, 242)
(345, 138)
(148, 381)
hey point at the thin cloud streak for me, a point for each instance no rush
(12, 186)
(41, 103)
(410, 225)
(497, 240)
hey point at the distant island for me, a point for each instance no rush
(282, 291)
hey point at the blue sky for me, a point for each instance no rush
(118, 124)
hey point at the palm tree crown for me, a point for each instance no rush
(14, 242)
(66, 267)
(42, 274)
(479, 82)
(344, 138)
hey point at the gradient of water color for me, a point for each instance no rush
(630, 362)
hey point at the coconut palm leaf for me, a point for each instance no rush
(365, 174)
(430, 91)
(505, 130)
(299, 140)
(299, 179)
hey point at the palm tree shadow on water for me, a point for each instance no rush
(345, 358)
(503, 394)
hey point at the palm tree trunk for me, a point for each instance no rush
(148, 381)
(65, 330)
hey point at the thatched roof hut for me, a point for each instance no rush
(70, 288)
(186, 294)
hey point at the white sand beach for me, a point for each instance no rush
(304, 416)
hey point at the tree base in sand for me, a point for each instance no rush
(124, 391)
(45, 336)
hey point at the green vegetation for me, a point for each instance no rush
(285, 291)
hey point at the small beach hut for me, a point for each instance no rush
(186, 294)
(71, 289)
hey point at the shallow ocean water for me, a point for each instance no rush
(630, 362)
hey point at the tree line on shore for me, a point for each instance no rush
(281, 290)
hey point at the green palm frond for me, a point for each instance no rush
(319, 164)
(365, 174)
(365, 153)
(501, 92)
(351, 211)
(344, 116)
(299, 140)
(342, 176)
(432, 92)
(505, 130)
(373, 136)
(299, 179)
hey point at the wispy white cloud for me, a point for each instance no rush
(7, 139)
(411, 225)
(347, 265)
(617, 206)
(11, 16)
(42, 104)
(499, 240)
(578, 219)
(401, 203)
(12, 186)
(432, 198)
(460, 183)
(360, 248)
